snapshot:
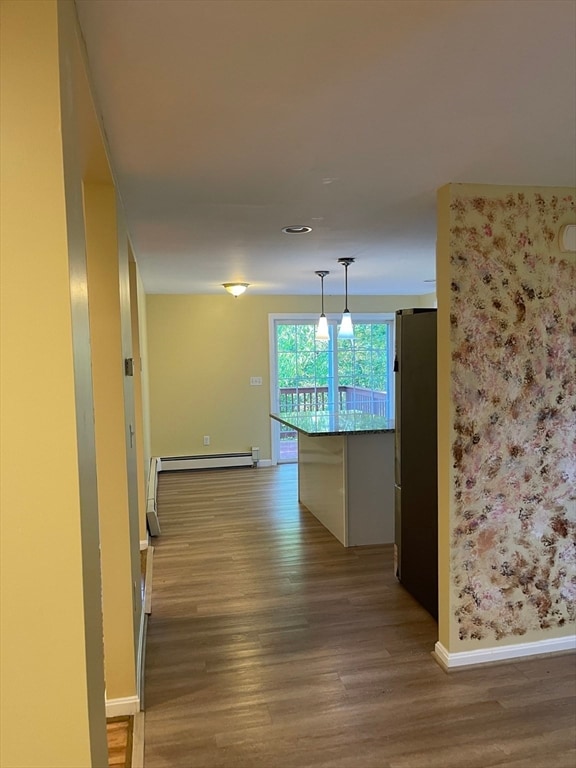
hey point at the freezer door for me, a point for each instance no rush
(416, 471)
(398, 401)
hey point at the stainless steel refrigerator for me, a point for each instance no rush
(416, 456)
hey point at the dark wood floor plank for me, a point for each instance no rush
(272, 646)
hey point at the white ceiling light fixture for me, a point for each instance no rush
(296, 230)
(236, 289)
(346, 329)
(322, 333)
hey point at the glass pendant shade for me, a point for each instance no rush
(322, 333)
(346, 329)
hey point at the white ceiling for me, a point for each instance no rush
(228, 120)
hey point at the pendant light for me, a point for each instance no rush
(346, 329)
(322, 333)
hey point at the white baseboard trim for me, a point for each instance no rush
(128, 705)
(265, 462)
(143, 544)
(502, 652)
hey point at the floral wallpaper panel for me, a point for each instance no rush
(513, 341)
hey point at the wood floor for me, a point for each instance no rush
(272, 646)
(119, 732)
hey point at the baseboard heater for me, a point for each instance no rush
(210, 461)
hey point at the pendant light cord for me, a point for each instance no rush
(322, 274)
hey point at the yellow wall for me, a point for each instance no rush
(141, 463)
(428, 300)
(203, 351)
(130, 438)
(445, 480)
(144, 378)
(107, 375)
(52, 677)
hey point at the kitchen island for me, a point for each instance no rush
(346, 472)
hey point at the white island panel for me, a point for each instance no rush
(321, 481)
(369, 463)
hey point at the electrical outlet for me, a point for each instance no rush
(206, 439)
(255, 381)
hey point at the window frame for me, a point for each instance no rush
(308, 318)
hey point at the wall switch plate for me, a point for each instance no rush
(206, 439)
(255, 381)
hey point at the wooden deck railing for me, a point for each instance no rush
(293, 399)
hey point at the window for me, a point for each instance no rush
(338, 374)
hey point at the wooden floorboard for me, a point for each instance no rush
(272, 646)
(119, 732)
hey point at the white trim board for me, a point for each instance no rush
(128, 705)
(502, 652)
(138, 741)
(140, 656)
(147, 607)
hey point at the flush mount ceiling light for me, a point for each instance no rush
(296, 230)
(346, 329)
(322, 333)
(236, 289)
(568, 238)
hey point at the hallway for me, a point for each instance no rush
(272, 646)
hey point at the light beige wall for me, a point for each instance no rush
(507, 308)
(107, 376)
(445, 471)
(52, 675)
(203, 351)
(138, 405)
(144, 378)
(428, 300)
(129, 415)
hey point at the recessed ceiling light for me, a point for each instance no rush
(296, 230)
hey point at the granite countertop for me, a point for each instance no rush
(318, 423)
